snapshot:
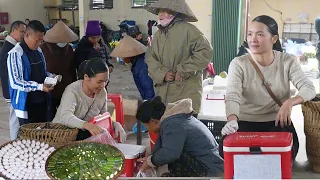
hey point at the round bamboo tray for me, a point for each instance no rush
(3, 145)
(86, 142)
(54, 134)
(311, 113)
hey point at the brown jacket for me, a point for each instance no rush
(60, 61)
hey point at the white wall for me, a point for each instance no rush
(22, 9)
(34, 9)
(122, 10)
(289, 8)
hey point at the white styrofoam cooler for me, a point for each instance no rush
(213, 102)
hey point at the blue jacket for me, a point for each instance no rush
(140, 75)
(19, 74)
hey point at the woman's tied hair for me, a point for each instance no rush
(151, 109)
(272, 28)
(92, 67)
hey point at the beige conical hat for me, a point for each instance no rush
(60, 33)
(128, 47)
(178, 6)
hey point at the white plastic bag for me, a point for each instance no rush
(149, 173)
(104, 138)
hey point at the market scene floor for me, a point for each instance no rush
(121, 82)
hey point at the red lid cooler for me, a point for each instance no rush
(257, 155)
(131, 153)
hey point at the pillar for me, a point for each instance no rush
(83, 16)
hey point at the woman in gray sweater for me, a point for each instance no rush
(185, 144)
(85, 99)
(249, 106)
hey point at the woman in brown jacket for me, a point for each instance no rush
(59, 58)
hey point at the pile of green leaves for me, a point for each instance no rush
(85, 161)
(309, 55)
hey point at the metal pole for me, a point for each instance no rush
(73, 18)
(60, 13)
(49, 18)
(139, 128)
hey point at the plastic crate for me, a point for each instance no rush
(215, 127)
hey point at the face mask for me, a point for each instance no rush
(62, 45)
(166, 22)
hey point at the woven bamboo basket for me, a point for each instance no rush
(54, 134)
(311, 113)
(81, 142)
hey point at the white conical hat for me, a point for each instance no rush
(60, 33)
(128, 47)
(178, 6)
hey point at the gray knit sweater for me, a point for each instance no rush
(76, 107)
(248, 98)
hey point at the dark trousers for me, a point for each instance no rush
(55, 102)
(245, 126)
(37, 113)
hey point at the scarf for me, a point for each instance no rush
(165, 22)
(166, 28)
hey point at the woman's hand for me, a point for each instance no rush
(145, 166)
(178, 77)
(170, 76)
(120, 131)
(97, 47)
(284, 114)
(230, 128)
(93, 128)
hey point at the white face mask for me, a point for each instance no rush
(62, 45)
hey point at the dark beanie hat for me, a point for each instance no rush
(93, 28)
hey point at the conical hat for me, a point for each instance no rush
(60, 33)
(178, 6)
(128, 47)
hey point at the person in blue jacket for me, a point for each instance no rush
(27, 73)
(133, 52)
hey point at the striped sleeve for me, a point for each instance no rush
(15, 74)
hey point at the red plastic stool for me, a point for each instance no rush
(117, 100)
(153, 139)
